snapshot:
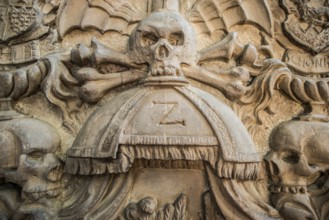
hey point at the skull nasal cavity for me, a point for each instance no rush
(162, 52)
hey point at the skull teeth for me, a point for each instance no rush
(34, 196)
(167, 71)
(288, 189)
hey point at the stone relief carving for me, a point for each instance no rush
(295, 162)
(30, 162)
(163, 109)
(306, 20)
(146, 209)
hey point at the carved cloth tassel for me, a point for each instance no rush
(239, 171)
(127, 155)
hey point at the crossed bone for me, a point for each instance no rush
(231, 81)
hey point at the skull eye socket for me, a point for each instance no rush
(290, 157)
(149, 39)
(35, 155)
(176, 39)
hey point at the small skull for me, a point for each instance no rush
(164, 40)
(32, 144)
(298, 153)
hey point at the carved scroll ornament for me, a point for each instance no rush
(170, 125)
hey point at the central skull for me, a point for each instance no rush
(164, 40)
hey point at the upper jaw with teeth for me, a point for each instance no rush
(161, 69)
(37, 188)
(37, 195)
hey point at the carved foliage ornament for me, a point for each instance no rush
(148, 133)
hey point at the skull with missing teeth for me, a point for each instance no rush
(29, 160)
(165, 41)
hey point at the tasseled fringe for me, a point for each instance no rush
(205, 153)
(170, 164)
(128, 154)
(240, 171)
(98, 166)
